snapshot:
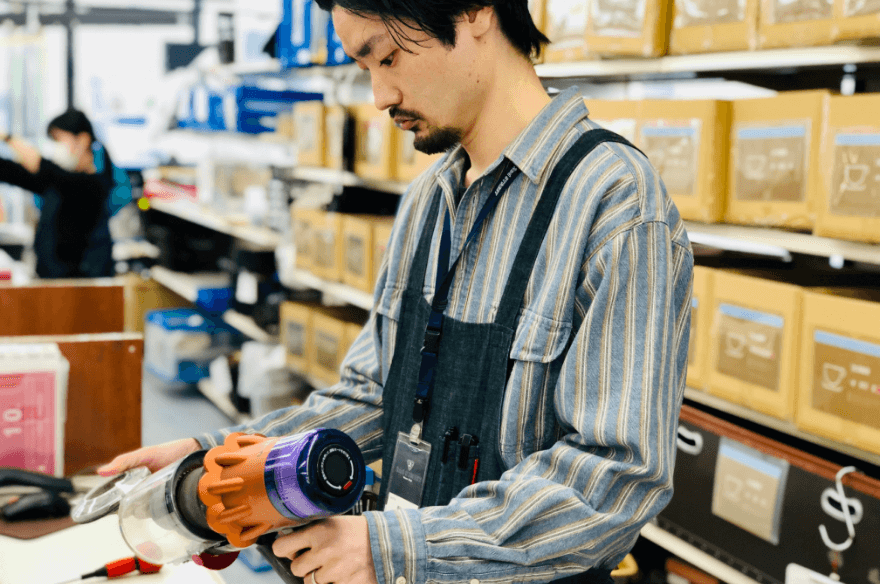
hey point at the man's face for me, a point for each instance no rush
(432, 91)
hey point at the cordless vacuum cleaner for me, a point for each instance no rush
(209, 505)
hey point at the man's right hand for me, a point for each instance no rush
(152, 457)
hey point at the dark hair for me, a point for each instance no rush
(437, 19)
(73, 121)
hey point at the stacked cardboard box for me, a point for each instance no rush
(849, 206)
(774, 177)
(317, 337)
(703, 26)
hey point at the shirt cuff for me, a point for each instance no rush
(397, 541)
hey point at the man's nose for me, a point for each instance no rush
(385, 94)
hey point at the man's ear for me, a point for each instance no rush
(479, 20)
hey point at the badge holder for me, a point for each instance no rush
(409, 469)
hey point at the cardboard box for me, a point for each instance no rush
(840, 369)
(308, 123)
(296, 324)
(638, 28)
(337, 125)
(357, 246)
(375, 146)
(703, 26)
(801, 23)
(774, 160)
(327, 246)
(302, 222)
(856, 19)
(619, 116)
(565, 24)
(410, 162)
(701, 328)
(381, 237)
(329, 342)
(754, 341)
(687, 142)
(849, 206)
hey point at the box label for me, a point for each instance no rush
(708, 12)
(327, 350)
(749, 489)
(782, 11)
(334, 127)
(695, 305)
(617, 18)
(674, 152)
(566, 23)
(861, 7)
(846, 378)
(355, 255)
(771, 163)
(855, 175)
(307, 132)
(625, 127)
(325, 248)
(296, 339)
(27, 421)
(749, 345)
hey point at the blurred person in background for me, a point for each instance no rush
(78, 189)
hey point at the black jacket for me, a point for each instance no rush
(72, 239)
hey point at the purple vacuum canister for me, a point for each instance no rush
(315, 474)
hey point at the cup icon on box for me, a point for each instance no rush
(854, 177)
(755, 166)
(734, 345)
(832, 377)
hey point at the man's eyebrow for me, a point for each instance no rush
(367, 47)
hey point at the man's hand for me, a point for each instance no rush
(336, 550)
(152, 457)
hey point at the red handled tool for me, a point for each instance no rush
(119, 568)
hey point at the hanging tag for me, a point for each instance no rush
(409, 469)
(796, 574)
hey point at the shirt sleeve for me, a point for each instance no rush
(581, 502)
(354, 405)
(15, 174)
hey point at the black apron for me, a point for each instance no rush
(473, 367)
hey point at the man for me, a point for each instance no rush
(536, 383)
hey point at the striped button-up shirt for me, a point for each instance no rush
(606, 314)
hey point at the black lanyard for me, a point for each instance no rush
(443, 282)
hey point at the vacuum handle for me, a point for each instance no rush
(280, 565)
(27, 478)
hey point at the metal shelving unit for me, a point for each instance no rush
(694, 555)
(188, 285)
(337, 291)
(783, 426)
(763, 60)
(346, 179)
(201, 215)
(779, 243)
(248, 327)
(222, 402)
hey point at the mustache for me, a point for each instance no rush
(396, 112)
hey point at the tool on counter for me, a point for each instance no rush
(210, 504)
(119, 568)
(48, 501)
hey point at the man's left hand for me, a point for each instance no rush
(336, 550)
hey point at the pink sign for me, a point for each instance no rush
(28, 425)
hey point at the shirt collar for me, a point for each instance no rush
(532, 149)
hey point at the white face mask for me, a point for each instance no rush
(60, 155)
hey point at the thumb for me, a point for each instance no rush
(152, 457)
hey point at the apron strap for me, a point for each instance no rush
(531, 244)
(419, 263)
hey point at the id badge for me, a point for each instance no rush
(409, 468)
